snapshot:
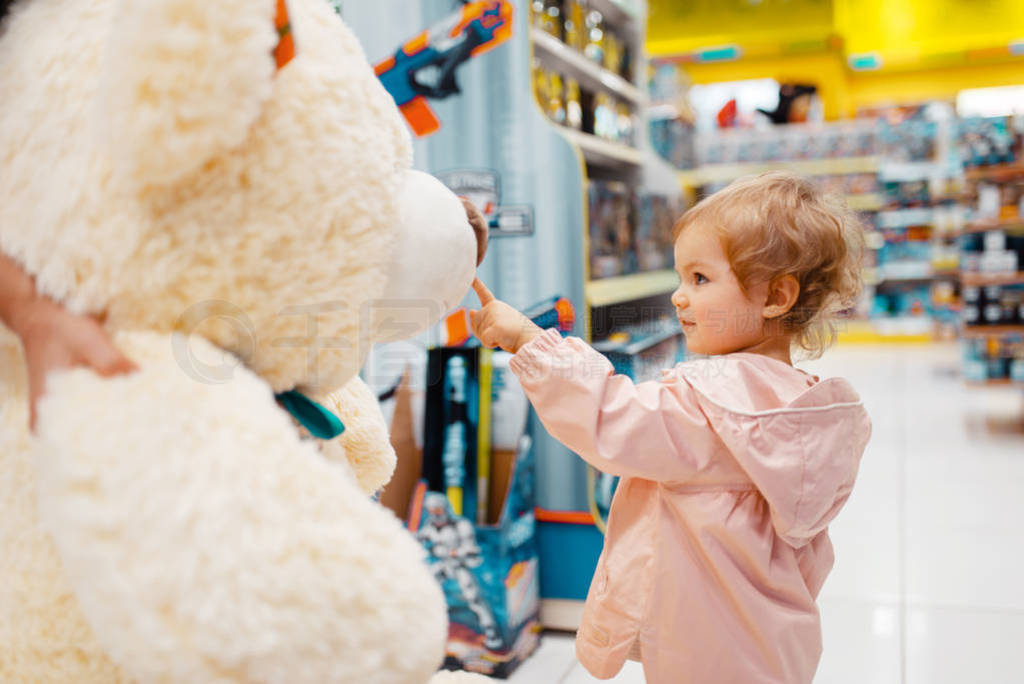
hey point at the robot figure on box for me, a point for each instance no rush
(451, 542)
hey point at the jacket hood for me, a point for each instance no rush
(800, 443)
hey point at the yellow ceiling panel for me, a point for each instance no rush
(678, 26)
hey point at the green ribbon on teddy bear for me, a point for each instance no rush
(313, 416)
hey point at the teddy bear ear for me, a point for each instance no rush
(184, 81)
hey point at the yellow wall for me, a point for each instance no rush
(678, 26)
(930, 49)
(906, 31)
(919, 86)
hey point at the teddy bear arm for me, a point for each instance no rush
(205, 541)
(365, 444)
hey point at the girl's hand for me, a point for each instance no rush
(497, 324)
(54, 338)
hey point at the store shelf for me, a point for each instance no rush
(985, 225)
(716, 173)
(904, 218)
(996, 382)
(603, 152)
(906, 172)
(627, 288)
(569, 62)
(904, 271)
(903, 330)
(618, 12)
(973, 279)
(633, 347)
(865, 202)
(992, 330)
(995, 172)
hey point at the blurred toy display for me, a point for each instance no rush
(654, 246)
(612, 228)
(789, 143)
(673, 131)
(992, 358)
(906, 300)
(629, 233)
(584, 29)
(547, 16)
(993, 252)
(985, 141)
(912, 140)
(565, 102)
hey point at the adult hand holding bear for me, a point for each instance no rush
(53, 338)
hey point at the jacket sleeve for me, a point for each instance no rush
(652, 430)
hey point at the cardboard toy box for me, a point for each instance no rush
(475, 520)
(489, 572)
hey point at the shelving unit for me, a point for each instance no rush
(985, 225)
(560, 57)
(995, 172)
(993, 330)
(612, 166)
(871, 201)
(972, 279)
(627, 288)
(976, 331)
(600, 152)
(718, 173)
(1000, 382)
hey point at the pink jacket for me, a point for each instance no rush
(717, 545)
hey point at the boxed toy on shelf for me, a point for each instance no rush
(465, 488)
(985, 141)
(612, 229)
(567, 103)
(489, 571)
(643, 351)
(656, 217)
(994, 359)
(584, 29)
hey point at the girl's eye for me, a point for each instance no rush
(699, 278)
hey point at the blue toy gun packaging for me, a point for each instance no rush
(473, 513)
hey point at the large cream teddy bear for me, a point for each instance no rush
(244, 230)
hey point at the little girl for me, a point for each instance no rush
(732, 466)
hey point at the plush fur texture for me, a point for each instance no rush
(299, 597)
(302, 172)
(236, 226)
(365, 445)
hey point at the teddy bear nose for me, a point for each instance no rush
(480, 229)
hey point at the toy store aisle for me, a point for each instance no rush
(927, 584)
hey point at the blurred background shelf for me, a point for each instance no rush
(560, 57)
(993, 330)
(870, 201)
(995, 172)
(983, 226)
(603, 152)
(717, 173)
(627, 288)
(973, 279)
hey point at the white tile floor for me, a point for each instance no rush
(928, 586)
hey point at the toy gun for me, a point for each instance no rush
(553, 312)
(425, 66)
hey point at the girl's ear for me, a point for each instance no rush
(782, 295)
(184, 81)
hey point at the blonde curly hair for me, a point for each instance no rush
(778, 224)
